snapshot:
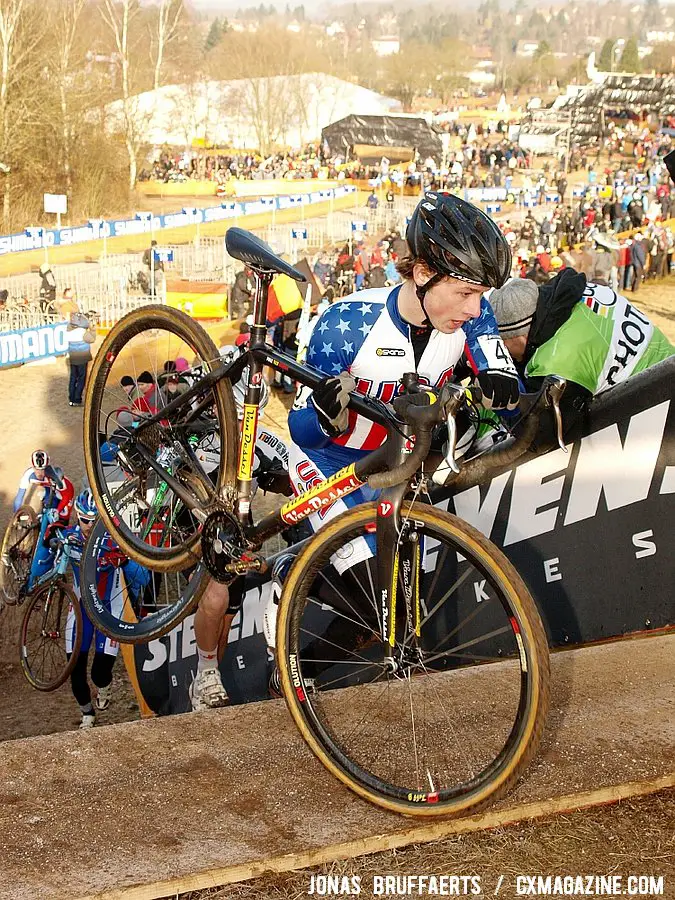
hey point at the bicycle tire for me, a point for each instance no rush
(187, 330)
(531, 658)
(36, 599)
(12, 538)
(126, 630)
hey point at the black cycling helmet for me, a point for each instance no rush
(456, 238)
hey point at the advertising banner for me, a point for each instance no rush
(589, 530)
(39, 238)
(30, 344)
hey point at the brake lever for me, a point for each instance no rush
(554, 394)
(451, 398)
(452, 443)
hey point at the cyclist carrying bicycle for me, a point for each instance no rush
(427, 324)
(42, 473)
(436, 318)
(112, 564)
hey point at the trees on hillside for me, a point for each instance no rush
(630, 61)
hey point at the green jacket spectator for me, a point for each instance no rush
(583, 332)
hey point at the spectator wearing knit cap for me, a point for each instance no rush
(562, 328)
(150, 398)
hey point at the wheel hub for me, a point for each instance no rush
(225, 548)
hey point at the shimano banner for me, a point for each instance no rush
(590, 531)
(29, 344)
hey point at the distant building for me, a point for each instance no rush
(386, 46)
(660, 37)
(526, 48)
(483, 73)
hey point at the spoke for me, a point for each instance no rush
(458, 583)
(325, 685)
(465, 621)
(412, 722)
(325, 640)
(452, 651)
(359, 622)
(459, 743)
(357, 725)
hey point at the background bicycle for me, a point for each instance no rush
(31, 574)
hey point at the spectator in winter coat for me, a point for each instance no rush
(240, 295)
(80, 336)
(638, 257)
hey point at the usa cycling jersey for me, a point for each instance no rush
(64, 491)
(365, 335)
(111, 564)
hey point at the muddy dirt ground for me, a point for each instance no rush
(630, 838)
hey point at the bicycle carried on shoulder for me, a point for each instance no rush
(412, 656)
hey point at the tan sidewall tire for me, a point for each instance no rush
(10, 537)
(72, 599)
(532, 632)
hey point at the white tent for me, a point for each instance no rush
(247, 113)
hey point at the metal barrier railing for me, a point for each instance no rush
(111, 285)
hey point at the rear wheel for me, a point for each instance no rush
(51, 636)
(136, 617)
(16, 555)
(138, 347)
(448, 717)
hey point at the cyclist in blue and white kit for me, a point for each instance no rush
(43, 474)
(368, 341)
(111, 564)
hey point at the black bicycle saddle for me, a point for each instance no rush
(254, 252)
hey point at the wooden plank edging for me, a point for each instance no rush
(419, 834)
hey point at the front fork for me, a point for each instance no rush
(398, 569)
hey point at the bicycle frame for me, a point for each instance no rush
(58, 570)
(347, 480)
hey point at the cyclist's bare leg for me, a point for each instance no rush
(210, 616)
(212, 624)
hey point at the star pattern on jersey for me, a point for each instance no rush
(340, 334)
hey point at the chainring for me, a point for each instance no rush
(223, 544)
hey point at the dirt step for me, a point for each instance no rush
(199, 800)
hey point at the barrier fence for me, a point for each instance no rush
(116, 283)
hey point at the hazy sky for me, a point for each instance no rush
(234, 4)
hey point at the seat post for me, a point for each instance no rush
(263, 280)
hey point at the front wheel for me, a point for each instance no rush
(448, 717)
(51, 636)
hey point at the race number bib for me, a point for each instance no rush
(497, 356)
